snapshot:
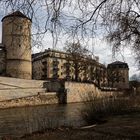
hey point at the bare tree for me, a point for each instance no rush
(118, 20)
(76, 57)
(114, 76)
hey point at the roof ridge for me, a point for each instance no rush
(118, 62)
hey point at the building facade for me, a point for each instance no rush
(52, 64)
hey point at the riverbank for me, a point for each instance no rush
(125, 127)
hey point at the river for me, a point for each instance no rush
(25, 120)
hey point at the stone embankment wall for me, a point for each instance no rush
(50, 98)
(79, 92)
(18, 92)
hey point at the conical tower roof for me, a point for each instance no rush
(118, 64)
(16, 14)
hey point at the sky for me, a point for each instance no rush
(98, 46)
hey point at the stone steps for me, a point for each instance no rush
(14, 88)
(6, 82)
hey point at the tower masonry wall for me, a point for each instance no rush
(16, 39)
(2, 62)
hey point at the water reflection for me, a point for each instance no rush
(19, 121)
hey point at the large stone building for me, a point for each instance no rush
(16, 46)
(52, 64)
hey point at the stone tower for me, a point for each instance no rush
(16, 38)
(118, 75)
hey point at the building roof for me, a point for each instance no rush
(118, 64)
(40, 55)
(16, 14)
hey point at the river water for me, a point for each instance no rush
(20, 121)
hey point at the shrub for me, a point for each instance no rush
(100, 109)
